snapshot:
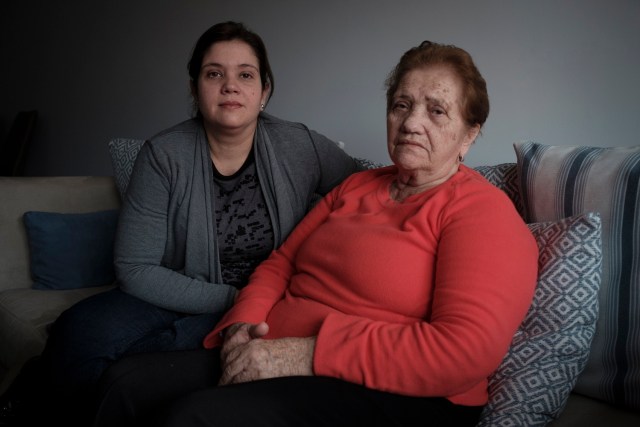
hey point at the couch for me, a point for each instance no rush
(538, 383)
(26, 313)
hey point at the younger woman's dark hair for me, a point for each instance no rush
(228, 31)
(475, 108)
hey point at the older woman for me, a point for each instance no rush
(208, 200)
(389, 304)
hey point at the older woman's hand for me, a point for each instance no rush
(260, 359)
(241, 333)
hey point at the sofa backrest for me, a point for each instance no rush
(74, 194)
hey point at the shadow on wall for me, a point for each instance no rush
(15, 147)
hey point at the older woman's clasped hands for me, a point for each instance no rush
(246, 357)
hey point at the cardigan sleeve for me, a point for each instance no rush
(141, 241)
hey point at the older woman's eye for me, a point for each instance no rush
(400, 106)
(437, 111)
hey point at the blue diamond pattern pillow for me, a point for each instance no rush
(560, 181)
(551, 346)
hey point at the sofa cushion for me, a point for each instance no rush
(71, 250)
(123, 152)
(559, 181)
(582, 411)
(551, 346)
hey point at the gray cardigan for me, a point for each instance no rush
(166, 250)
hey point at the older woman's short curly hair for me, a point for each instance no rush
(475, 108)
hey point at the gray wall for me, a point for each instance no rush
(559, 72)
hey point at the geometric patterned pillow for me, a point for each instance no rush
(560, 181)
(123, 155)
(368, 164)
(551, 346)
(505, 177)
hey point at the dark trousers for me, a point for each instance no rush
(178, 389)
(89, 337)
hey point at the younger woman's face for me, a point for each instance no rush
(229, 91)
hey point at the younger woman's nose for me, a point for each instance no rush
(229, 85)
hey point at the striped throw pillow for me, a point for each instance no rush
(561, 181)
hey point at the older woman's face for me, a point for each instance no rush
(229, 86)
(426, 131)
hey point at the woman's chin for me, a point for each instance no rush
(408, 161)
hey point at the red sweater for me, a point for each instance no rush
(418, 298)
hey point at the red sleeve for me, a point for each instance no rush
(486, 272)
(270, 280)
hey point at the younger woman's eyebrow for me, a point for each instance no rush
(216, 64)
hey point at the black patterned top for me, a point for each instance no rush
(245, 233)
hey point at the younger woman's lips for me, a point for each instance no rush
(231, 104)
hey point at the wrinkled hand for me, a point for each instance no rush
(248, 358)
(239, 334)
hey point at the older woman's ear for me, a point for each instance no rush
(471, 136)
(474, 131)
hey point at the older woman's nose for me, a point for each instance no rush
(413, 121)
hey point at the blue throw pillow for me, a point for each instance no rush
(71, 250)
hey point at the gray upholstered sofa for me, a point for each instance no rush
(25, 313)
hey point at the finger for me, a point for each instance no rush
(234, 375)
(242, 377)
(236, 335)
(244, 363)
(230, 372)
(234, 359)
(259, 330)
(236, 329)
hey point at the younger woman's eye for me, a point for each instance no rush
(213, 74)
(246, 75)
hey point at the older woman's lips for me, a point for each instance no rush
(409, 143)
